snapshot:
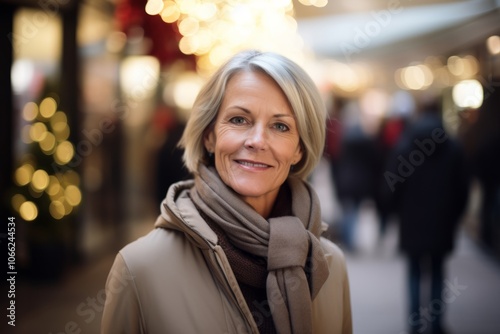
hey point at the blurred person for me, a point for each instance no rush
(400, 113)
(428, 183)
(356, 176)
(238, 249)
(330, 159)
(334, 134)
(169, 166)
(482, 140)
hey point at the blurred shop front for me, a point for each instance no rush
(40, 189)
(81, 82)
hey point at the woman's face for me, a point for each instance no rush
(255, 139)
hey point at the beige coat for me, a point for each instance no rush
(177, 279)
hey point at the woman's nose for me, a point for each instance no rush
(257, 138)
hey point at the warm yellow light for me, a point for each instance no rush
(205, 11)
(139, 77)
(30, 111)
(61, 132)
(188, 45)
(320, 3)
(68, 208)
(154, 7)
(58, 120)
(315, 3)
(374, 103)
(17, 200)
(205, 42)
(345, 77)
(73, 195)
(40, 180)
(186, 89)
(64, 153)
(23, 174)
(48, 107)
(493, 44)
(54, 187)
(28, 211)
(219, 54)
(48, 143)
(56, 209)
(456, 65)
(189, 26)
(416, 77)
(186, 6)
(170, 12)
(212, 25)
(468, 94)
(38, 131)
(471, 66)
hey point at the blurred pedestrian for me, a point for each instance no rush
(428, 182)
(399, 116)
(356, 175)
(238, 249)
(169, 166)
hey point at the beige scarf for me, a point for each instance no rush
(296, 265)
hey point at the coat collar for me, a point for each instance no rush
(179, 213)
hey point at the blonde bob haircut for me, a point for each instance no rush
(300, 91)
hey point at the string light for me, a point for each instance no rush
(28, 211)
(48, 130)
(213, 30)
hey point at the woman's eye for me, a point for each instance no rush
(237, 120)
(281, 127)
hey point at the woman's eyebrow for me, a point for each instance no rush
(247, 111)
(284, 115)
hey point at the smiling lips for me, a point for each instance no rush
(252, 164)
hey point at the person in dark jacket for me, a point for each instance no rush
(428, 183)
(356, 172)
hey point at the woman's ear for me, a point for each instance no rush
(298, 155)
(209, 140)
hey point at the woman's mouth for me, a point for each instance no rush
(252, 164)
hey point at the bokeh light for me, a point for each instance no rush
(468, 94)
(38, 131)
(23, 174)
(493, 44)
(28, 211)
(40, 180)
(213, 30)
(64, 153)
(30, 111)
(56, 209)
(48, 107)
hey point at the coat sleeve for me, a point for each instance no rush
(122, 312)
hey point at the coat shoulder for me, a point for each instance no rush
(158, 246)
(332, 250)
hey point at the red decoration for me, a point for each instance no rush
(164, 36)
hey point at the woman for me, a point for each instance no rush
(238, 249)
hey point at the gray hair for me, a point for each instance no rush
(299, 89)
